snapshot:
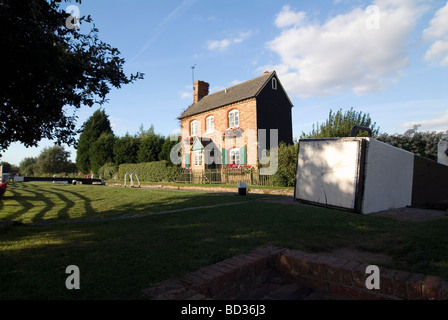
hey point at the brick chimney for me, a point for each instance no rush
(200, 90)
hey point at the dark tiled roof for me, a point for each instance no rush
(239, 92)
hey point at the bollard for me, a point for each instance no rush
(242, 189)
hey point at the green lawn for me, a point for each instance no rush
(36, 202)
(117, 259)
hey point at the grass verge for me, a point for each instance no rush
(117, 259)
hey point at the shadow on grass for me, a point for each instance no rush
(49, 205)
(37, 203)
(22, 200)
(179, 201)
(25, 200)
(63, 213)
(117, 259)
(86, 202)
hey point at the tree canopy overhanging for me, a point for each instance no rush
(48, 69)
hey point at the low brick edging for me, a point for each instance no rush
(221, 281)
(348, 278)
(224, 280)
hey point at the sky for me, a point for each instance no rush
(385, 58)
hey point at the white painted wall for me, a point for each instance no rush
(442, 156)
(389, 175)
(327, 171)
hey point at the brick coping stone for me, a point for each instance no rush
(226, 279)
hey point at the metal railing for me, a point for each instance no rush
(226, 176)
(131, 182)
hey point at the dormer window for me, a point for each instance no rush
(274, 83)
(234, 119)
(210, 124)
(194, 128)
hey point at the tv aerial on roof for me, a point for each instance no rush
(192, 71)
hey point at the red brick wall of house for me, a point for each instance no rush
(248, 123)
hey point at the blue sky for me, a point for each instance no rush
(388, 58)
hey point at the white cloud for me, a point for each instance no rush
(115, 123)
(438, 27)
(288, 18)
(438, 52)
(220, 45)
(235, 82)
(242, 36)
(342, 53)
(186, 95)
(440, 123)
(438, 32)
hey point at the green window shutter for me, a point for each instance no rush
(243, 155)
(187, 160)
(224, 157)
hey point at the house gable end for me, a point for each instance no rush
(267, 86)
(274, 112)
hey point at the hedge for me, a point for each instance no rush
(158, 171)
(108, 171)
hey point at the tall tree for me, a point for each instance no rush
(102, 151)
(340, 124)
(92, 129)
(49, 70)
(168, 145)
(126, 149)
(9, 168)
(150, 148)
(28, 166)
(54, 160)
(142, 133)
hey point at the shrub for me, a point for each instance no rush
(150, 171)
(108, 171)
(287, 165)
(424, 144)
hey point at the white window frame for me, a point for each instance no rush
(234, 156)
(198, 158)
(274, 83)
(234, 114)
(210, 124)
(194, 128)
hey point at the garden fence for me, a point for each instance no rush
(251, 177)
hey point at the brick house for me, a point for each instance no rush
(222, 128)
